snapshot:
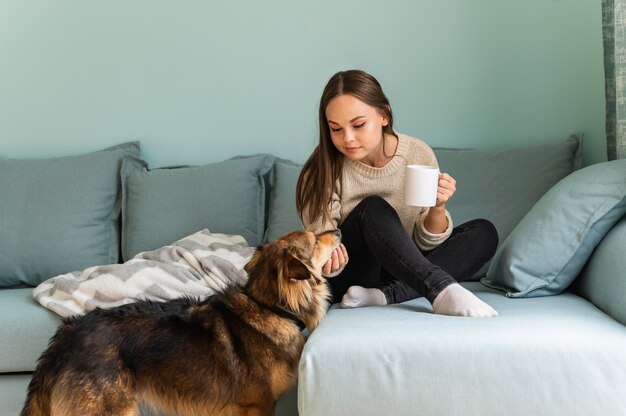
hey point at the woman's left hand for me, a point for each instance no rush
(445, 189)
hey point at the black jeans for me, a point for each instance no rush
(383, 255)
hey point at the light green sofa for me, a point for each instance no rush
(553, 355)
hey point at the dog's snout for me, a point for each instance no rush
(336, 232)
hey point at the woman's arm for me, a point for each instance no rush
(339, 257)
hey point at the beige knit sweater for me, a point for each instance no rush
(359, 181)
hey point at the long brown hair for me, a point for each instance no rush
(316, 183)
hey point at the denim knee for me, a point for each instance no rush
(374, 204)
(373, 201)
(485, 233)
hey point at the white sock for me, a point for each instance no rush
(455, 300)
(357, 297)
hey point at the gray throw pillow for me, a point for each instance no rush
(166, 204)
(549, 247)
(59, 215)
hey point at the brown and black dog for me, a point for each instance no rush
(233, 353)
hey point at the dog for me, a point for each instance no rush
(233, 353)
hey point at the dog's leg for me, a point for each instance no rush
(258, 409)
(94, 394)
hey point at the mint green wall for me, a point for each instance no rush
(199, 81)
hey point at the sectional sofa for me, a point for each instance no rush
(558, 279)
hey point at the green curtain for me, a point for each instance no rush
(614, 34)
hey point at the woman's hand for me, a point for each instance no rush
(337, 260)
(436, 221)
(445, 189)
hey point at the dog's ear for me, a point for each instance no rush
(294, 268)
(255, 261)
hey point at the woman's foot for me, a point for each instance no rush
(357, 297)
(455, 300)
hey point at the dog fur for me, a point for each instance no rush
(233, 353)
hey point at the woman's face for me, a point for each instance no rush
(356, 128)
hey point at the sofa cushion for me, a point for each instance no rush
(13, 389)
(59, 214)
(602, 279)
(530, 360)
(165, 205)
(282, 216)
(503, 185)
(549, 247)
(524, 175)
(25, 329)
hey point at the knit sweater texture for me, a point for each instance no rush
(359, 180)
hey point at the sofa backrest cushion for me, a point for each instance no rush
(282, 214)
(549, 247)
(163, 205)
(499, 185)
(503, 185)
(60, 214)
(603, 279)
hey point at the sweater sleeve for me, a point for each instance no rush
(319, 224)
(426, 240)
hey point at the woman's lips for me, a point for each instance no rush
(352, 149)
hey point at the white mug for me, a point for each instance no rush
(421, 185)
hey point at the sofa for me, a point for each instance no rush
(558, 280)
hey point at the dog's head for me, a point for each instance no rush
(288, 273)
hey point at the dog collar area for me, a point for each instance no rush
(280, 312)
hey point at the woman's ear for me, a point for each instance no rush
(385, 119)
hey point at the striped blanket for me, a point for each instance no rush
(197, 265)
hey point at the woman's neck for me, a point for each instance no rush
(387, 150)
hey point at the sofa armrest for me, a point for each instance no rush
(603, 280)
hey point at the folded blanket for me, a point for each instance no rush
(197, 265)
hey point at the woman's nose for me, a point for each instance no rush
(348, 135)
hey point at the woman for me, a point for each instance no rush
(354, 181)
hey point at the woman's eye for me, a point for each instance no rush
(335, 130)
(360, 125)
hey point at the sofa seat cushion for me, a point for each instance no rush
(13, 393)
(557, 355)
(25, 329)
